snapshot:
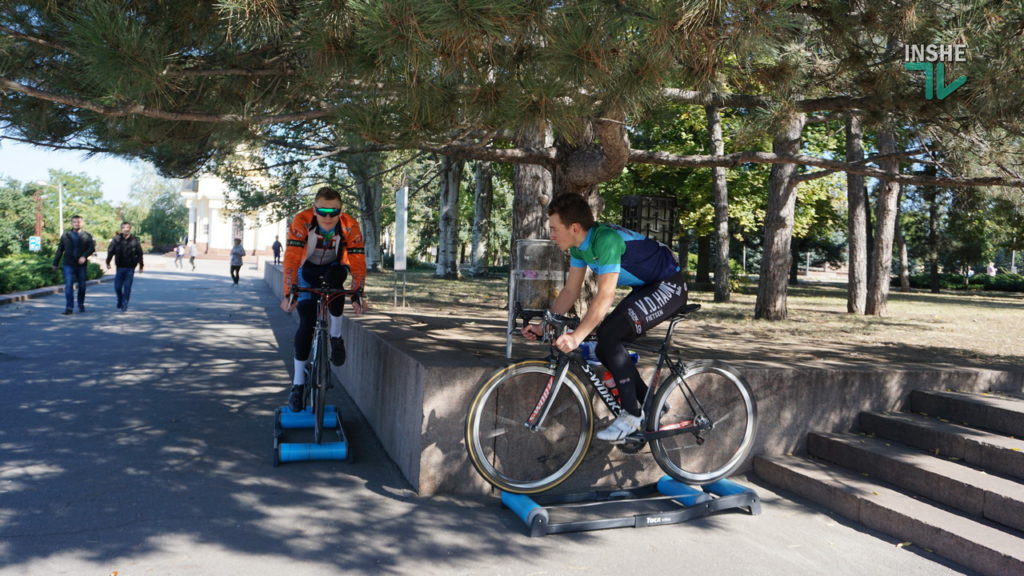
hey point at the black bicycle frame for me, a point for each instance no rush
(561, 362)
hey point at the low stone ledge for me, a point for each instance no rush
(414, 386)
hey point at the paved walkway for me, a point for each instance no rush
(140, 443)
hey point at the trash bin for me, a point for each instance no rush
(537, 275)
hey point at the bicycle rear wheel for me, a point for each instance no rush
(710, 392)
(508, 453)
(321, 370)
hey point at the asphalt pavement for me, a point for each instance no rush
(140, 443)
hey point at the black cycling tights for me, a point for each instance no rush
(336, 275)
(644, 307)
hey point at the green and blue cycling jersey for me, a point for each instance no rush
(638, 259)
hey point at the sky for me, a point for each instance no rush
(27, 163)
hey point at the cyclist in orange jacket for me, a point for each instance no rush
(323, 242)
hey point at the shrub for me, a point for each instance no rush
(28, 271)
(1001, 282)
(1007, 283)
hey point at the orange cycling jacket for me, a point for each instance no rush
(305, 242)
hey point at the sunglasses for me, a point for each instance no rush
(326, 212)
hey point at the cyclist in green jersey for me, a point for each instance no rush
(619, 257)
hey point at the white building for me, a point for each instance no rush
(213, 227)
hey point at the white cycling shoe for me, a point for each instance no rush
(624, 425)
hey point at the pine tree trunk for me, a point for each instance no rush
(857, 221)
(885, 220)
(533, 191)
(931, 195)
(365, 170)
(778, 228)
(484, 199)
(448, 219)
(901, 244)
(704, 262)
(720, 191)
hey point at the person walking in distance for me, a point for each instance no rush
(74, 248)
(276, 247)
(619, 257)
(126, 252)
(237, 252)
(179, 253)
(324, 243)
(192, 255)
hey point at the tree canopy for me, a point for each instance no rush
(564, 85)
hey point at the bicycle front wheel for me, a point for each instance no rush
(510, 454)
(321, 370)
(714, 396)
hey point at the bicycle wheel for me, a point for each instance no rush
(713, 393)
(505, 451)
(321, 370)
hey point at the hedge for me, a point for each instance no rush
(22, 272)
(1000, 282)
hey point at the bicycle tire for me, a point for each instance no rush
(322, 372)
(710, 455)
(507, 453)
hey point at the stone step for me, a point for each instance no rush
(967, 489)
(987, 450)
(1002, 414)
(974, 543)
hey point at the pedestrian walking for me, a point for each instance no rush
(276, 247)
(126, 252)
(192, 255)
(237, 252)
(179, 253)
(74, 248)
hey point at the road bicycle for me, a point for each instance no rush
(530, 425)
(318, 369)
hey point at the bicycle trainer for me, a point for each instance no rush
(666, 502)
(292, 451)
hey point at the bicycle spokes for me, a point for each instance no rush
(706, 423)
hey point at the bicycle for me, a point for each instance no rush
(318, 369)
(531, 424)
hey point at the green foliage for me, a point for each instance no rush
(29, 271)
(17, 217)
(999, 282)
(158, 213)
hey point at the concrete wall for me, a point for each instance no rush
(414, 392)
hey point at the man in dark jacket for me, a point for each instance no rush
(126, 251)
(75, 247)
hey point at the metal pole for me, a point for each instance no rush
(39, 212)
(60, 207)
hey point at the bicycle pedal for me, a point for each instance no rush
(632, 444)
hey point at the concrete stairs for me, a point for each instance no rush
(947, 475)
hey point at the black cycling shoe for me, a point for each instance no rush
(296, 398)
(337, 351)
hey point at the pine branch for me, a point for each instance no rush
(158, 114)
(755, 157)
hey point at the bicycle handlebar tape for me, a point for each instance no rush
(688, 495)
(534, 515)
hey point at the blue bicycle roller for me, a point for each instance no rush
(726, 487)
(525, 507)
(305, 419)
(301, 451)
(688, 495)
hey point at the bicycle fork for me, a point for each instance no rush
(540, 412)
